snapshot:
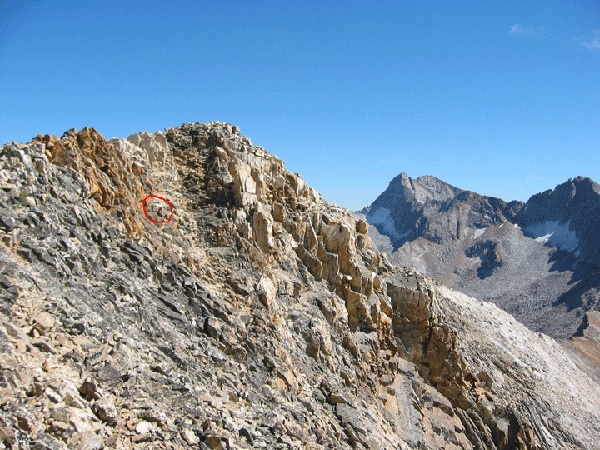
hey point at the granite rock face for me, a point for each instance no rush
(575, 204)
(538, 260)
(432, 209)
(260, 316)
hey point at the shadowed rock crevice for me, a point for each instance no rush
(487, 252)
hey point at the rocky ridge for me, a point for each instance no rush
(261, 316)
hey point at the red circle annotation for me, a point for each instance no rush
(157, 210)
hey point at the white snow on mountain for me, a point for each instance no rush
(479, 232)
(383, 218)
(555, 234)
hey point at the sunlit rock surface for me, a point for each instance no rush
(259, 316)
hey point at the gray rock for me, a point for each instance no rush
(86, 441)
(536, 260)
(262, 316)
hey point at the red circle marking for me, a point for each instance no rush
(160, 198)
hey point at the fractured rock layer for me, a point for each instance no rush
(261, 316)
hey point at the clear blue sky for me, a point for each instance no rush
(500, 97)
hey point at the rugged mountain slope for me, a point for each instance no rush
(537, 260)
(256, 316)
(409, 209)
(569, 216)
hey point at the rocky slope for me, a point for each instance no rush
(537, 260)
(250, 313)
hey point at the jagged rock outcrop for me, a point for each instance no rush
(537, 260)
(260, 316)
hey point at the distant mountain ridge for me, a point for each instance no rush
(576, 203)
(413, 206)
(539, 260)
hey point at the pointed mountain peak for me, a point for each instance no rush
(420, 190)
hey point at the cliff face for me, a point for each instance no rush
(574, 204)
(537, 260)
(256, 315)
(429, 208)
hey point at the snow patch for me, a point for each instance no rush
(383, 218)
(555, 234)
(479, 232)
(544, 238)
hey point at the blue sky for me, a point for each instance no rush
(499, 97)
